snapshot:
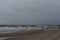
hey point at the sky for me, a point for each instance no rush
(29, 11)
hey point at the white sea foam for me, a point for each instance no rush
(15, 29)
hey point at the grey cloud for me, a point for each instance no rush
(29, 11)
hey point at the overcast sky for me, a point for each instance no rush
(29, 11)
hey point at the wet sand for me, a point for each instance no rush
(33, 35)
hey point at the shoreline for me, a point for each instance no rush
(24, 34)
